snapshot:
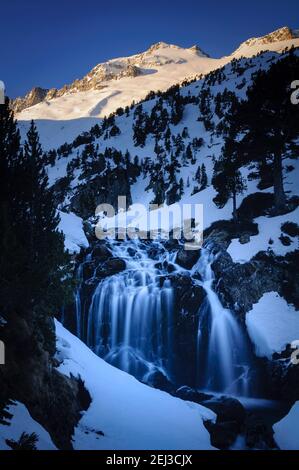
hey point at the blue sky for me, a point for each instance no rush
(50, 43)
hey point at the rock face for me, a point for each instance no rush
(281, 34)
(242, 285)
(29, 376)
(187, 258)
(102, 73)
(101, 191)
(230, 419)
(36, 95)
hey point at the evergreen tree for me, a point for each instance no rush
(198, 175)
(227, 178)
(204, 177)
(269, 121)
(45, 244)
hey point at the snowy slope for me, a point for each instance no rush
(267, 239)
(108, 86)
(22, 422)
(130, 414)
(71, 226)
(286, 431)
(272, 324)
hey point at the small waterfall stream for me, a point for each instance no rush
(129, 321)
(224, 357)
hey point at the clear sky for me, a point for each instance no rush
(49, 43)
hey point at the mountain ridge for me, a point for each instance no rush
(158, 56)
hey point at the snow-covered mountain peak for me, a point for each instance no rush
(119, 82)
(282, 34)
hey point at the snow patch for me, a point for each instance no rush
(131, 415)
(72, 227)
(272, 324)
(23, 422)
(286, 431)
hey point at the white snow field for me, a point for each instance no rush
(286, 431)
(268, 238)
(130, 414)
(61, 119)
(272, 324)
(72, 227)
(22, 422)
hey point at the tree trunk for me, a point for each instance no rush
(279, 194)
(235, 215)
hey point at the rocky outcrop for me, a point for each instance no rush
(242, 285)
(101, 190)
(35, 96)
(30, 377)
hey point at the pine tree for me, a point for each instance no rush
(204, 177)
(46, 259)
(198, 175)
(181, 188)
(269, 122)
(227, 178)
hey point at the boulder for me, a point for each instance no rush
(187, 258)
(101, 252)
(227, 409)
(110, 267)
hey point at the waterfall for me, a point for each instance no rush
(128, 320)
(228, 357)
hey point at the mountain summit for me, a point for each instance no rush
(118, 82)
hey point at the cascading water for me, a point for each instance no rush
(130, 316)
(224, 356)
(130, 321)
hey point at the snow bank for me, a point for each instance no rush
(130, 414)
(72, 228)
(22, 422)
(286, 431)
(269, 230)
(272, 324)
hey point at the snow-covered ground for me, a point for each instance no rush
(267, 239)
(130, 414)
(272, 324)
(72, 227)
(22, 422)
(61, 119)
(286, 431)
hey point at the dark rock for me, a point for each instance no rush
(258, 435)
(101, 253)
(110, 267)
(227, 409)
(158, 380)
(222, 435)
(187, 258)
(54, 400)
(190, 394)
(244, 238)
(131, 252)
(285, 240)
(255, 205)
(88, 269)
